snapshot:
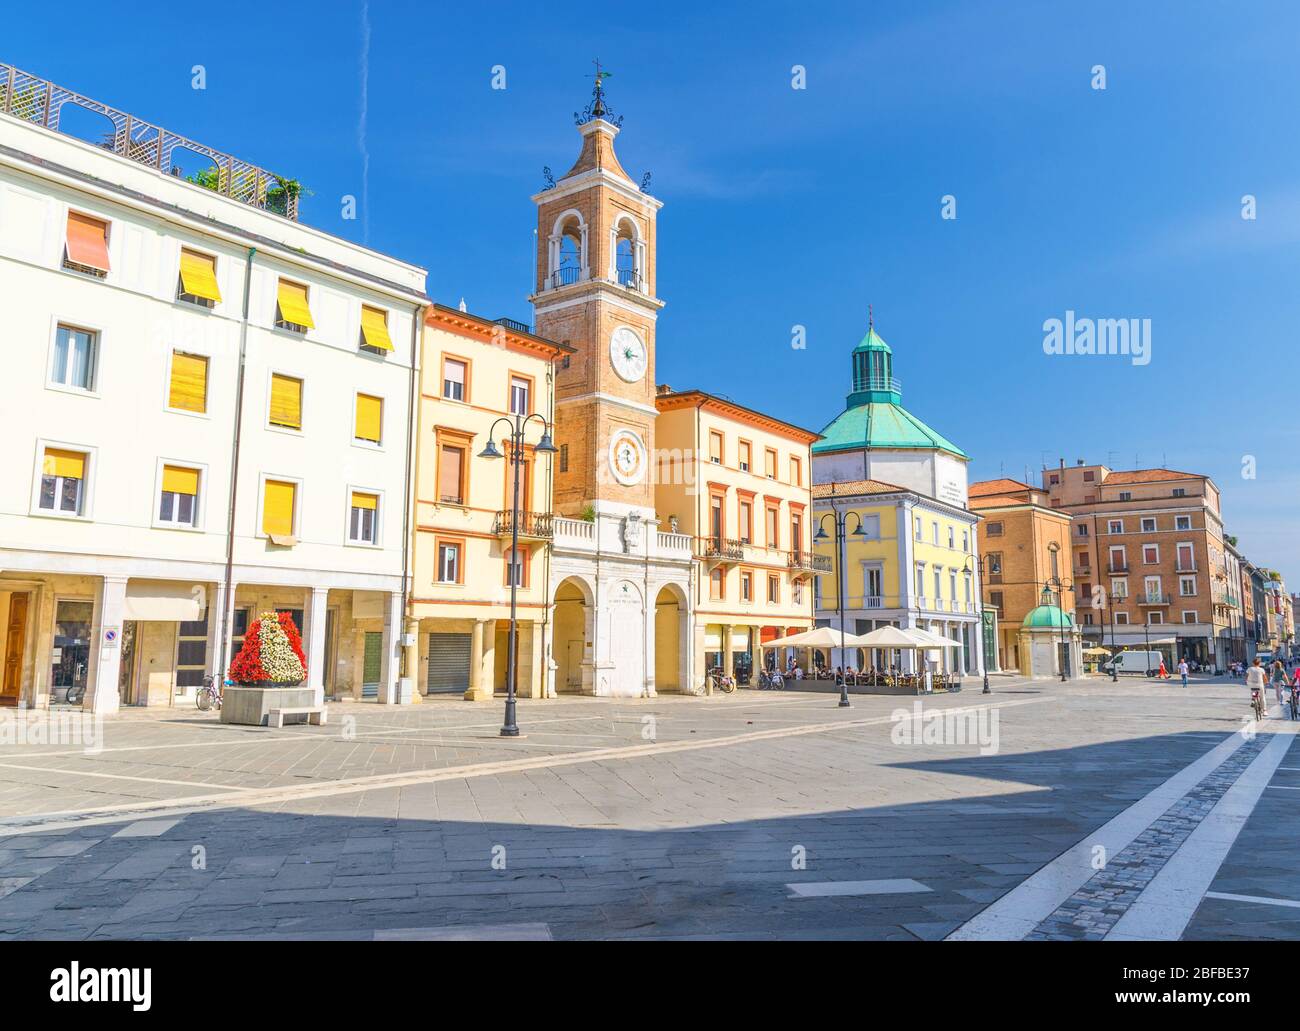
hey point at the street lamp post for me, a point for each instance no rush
(840, 521)
(516, 425)
(975, 564)
(1110, 612)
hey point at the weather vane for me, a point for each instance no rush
(597, 108)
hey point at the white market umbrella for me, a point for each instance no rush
(934, 640)
(893, 637)
(820, 637)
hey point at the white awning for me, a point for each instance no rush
(1129, 639)
(166, 601)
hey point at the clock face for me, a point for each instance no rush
(628, 355)
(627, 457)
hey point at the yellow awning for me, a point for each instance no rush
(370, 418)
(374, 328)
(286, 402)
(370, 501)
(277, 508)
(68, 464)
(179, 480)
(189, 385)
(199, 275)
(293, 304)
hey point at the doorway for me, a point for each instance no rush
(11, 680)
(70, 657)
(371, 665)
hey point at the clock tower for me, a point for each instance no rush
(595, 290)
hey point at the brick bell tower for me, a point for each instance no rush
(595, 290)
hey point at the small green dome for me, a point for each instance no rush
(1047, 616)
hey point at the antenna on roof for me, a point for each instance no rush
(871, 319)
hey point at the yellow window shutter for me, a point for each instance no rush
(370, 501)
(70, 465)
(293, 304)
(199, 275)
(277, 508)
(179, 480)
(370, 418)
(286, 401)
(374, 328)
(189, 385)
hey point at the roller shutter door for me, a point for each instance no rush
(449, 659)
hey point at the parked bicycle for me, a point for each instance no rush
(1295, 701)
(209, 695)
(720, 681)
(76, 693)
(770, 681)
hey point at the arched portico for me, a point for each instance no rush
(572, 637)
(672, 639)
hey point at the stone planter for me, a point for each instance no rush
(248, 704)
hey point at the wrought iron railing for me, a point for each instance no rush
(41, 102)
(628, 277)
(808, 562)
(515, 324)
(723, 548)
(1152, 598)
(538, 525)
(565, 276)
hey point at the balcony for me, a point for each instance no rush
(514, 324)
(1154, 599)
(565, 276)
(807, 562)
(1185, 567)
(628, 277)
(533, 526)
(40, 102)
(1117, 567)
(721, 549)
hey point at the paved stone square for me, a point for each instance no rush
(761, 814)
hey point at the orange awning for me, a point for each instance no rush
(87, 241)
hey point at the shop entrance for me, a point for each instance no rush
(70, 659)
(15, 644)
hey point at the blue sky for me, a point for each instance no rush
(792, 207)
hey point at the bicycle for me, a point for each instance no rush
(76, 693)
(719, 681)
(770, 681)
(1257, 702)
(209, 695)
(1295, 701)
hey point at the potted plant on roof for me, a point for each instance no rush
(268, 672)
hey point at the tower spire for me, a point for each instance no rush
(598, 108)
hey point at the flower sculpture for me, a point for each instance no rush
(272, 652)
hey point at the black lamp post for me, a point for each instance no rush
(840, 520)
(1110, 612)
(974, 564)
(516, 424)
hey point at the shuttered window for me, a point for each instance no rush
(63, 475)
(369, 419)
(374, 329)
(178, 499)
(451, 463)
(361, 522)
(199, 278)
(87, 244)
(293, 309)
(286, 402)
(189, 383)
(278, 500)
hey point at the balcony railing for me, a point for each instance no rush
(565, 276)
(1185, 567)
(537, 526)
(41, 102)
(628, 277)
(807, 562)
(1153, 599)
(722, 549)
(1117, 567)
(515, 324)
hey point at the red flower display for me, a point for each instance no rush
(272, 652)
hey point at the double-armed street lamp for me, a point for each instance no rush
(516, 425)
(974, 562)
(840, 522)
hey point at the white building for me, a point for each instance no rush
(179, 362)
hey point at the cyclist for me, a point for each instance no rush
(1280, 679)
(1255, 680)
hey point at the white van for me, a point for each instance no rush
(1139, 663)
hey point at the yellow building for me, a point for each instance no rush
(738, 483)
(474, 372)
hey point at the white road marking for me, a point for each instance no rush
(833, 889)
(1021, 909)
(117, 776)
(1162, 911)
(146, 829)
(1260, 899)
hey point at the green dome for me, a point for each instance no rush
(1047, 617)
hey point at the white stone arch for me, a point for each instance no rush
(570, 219)
(625, 227)
(571, 662)
(670, 637)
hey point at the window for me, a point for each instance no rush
(292, 312)
(516, 563)
(938, 585)
(1119, 588)
(1083, 559)
(1115, 526)
(715, 447)
(363, 525)
(773, 527)
(934, 533)
(369, 420)
(1053, 479)
(965, 540)
(746, 528)
(1083, 529)
(1150, 554)
(1088, 476)
(996, 600)
(917, 528)
(178, 502)
(279, 501)
(994, 530)
(1186, 557)
(564, 458)
(715, 584)
(1126, 495)
(374, 331)
(796, 532)
(451, 474)
(796, 471)
(1155, 618)
(1182, 522)
(952, 584)
(773, 589)
(75, 354)
(952, 537)
(455, 376)
(746, 587)
(797, 590)
(1151, 588)
(1121, 619)
(1187, 586)
(286, 402)
(1149, 525)
(1118, 559)
(63, 478)
(449, 563)
(197, 283)
(1189, 616)
(770, 464)
(920, 581)
(1180, 492)
(187, 389)
(86, 245)
(744, 449)
(520, 395)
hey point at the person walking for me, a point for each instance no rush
(1162, 673)
(1182, 669)
(1280, 679)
